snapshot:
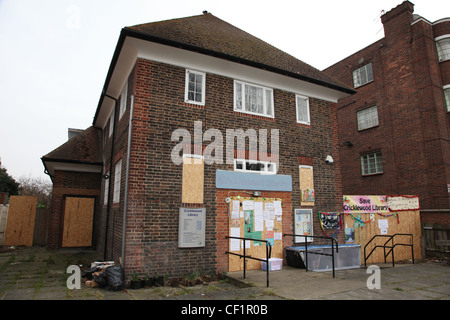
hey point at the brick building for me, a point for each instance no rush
(187, 78)
(394, 134)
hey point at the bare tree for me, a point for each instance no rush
(30, 186)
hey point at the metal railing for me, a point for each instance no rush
(391, 247)
(268, 254)
(333, 240)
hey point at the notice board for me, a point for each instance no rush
(367, 216)
(259, 219)
(191, 227)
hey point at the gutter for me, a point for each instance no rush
(164, 41)
(111, 161)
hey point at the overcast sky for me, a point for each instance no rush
(55, 54)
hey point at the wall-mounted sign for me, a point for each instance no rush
(403, 203)
(191, 227)
(365, 204)
(303, 224)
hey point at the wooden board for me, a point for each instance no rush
(78, 222)
(20, 222)
(248, 222)
(407, 222)
(193, 176)
(306, 183)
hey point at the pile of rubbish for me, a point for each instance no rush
(105, 274)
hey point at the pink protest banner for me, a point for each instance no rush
(365, 204)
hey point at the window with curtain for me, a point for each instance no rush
(117, 178)
(447, 97)
(367, 118)
(302, 105)
(443, 48)
(253, 99)
(195, 87)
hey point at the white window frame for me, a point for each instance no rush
(117, 178)
(378, 158)
(443, 51)
(244, 163)
(308, 121)
(203, 88)
(447, 96)
(366, 118)
(265, 96)
(111, 123)
(123, 100)
(357, 79)
(195, 158)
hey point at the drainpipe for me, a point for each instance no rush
(125, 201)
(110, 175)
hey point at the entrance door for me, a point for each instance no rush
(78, 222)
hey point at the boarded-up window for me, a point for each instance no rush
(193, 173)
(78, 222)
(307, 193)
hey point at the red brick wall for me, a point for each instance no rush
(413, 132)
(154, 195)
(441, 218)
(67, 183)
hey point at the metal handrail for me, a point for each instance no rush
(268, 254)
(312, 252)
(384, 246)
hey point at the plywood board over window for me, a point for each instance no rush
(307, 193)
(193, 177)
(20, 222)
(78, 222)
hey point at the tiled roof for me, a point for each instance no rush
(86, 147)
(213, 35)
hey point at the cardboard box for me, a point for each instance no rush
(275, 264)
(90, 283)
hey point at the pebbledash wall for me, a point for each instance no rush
(156, 94)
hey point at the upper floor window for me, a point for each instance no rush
(447, 96)
(372, 163)
(362, 75)
(195, 87)
(367, 118)
(253, 99)
(111, 124)
(443, 47)
(255, 166)
(302, 105)
(117, 178)
(123, 100)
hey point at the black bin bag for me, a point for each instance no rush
(114, 277)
